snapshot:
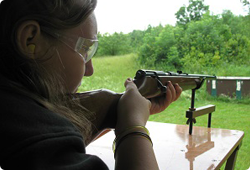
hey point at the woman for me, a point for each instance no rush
(46, 49)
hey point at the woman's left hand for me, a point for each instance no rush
(161, 103)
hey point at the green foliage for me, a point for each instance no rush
(246, 3)
(193, 12)
(208, 42)
(205, 41)
(115, 44)
(136, 38)
(147, 50)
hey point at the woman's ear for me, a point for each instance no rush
(29, 38)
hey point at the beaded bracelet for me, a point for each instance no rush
(135, 130)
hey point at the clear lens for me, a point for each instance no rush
(91, 51)
(86, 47)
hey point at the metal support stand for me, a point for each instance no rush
(193, 112)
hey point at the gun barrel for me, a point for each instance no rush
(209, 77)
(152, 83)
(143, 73)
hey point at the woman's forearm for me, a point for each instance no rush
(135, 153)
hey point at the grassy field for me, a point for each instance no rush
(111, 72)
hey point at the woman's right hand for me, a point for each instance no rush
(133, 108)
(134, 152)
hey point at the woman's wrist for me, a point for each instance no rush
(121, 127)
(130, 132)
(133, 128)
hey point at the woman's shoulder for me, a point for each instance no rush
(23, 119)
(21, 110)
(34, 137)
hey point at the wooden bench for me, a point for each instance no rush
(205, 149)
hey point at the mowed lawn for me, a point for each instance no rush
(111, 72)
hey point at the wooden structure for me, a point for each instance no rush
(206, 148)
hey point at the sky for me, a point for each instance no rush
(128, 15)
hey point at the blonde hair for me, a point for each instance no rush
(27, 76)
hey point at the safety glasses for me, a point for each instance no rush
(88, 46)
(85, 47)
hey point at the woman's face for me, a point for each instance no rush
(70, 64)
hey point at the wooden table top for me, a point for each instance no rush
(206, 148)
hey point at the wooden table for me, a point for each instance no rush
(205, 149)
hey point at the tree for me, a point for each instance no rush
(166, 49)
(115, 44)
(193, 12)
(247, 4)
(146, 52)
(209, 42)
(136, 37)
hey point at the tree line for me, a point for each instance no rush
(199, 39)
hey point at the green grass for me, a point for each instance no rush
(111, 72)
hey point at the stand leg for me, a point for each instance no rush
(209, 120)
(190, 126)
(192, 108)
(192, 99)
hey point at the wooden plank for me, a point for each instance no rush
(206, 148)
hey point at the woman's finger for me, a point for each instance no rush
(173, 92)
(168, 98)
(178, 90)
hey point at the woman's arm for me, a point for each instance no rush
(134, 150)
(103, 103)
(135, 153)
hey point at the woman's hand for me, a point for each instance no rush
(133, 108)
(135, 151)
(161, 103)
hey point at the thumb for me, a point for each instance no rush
(129, 84)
